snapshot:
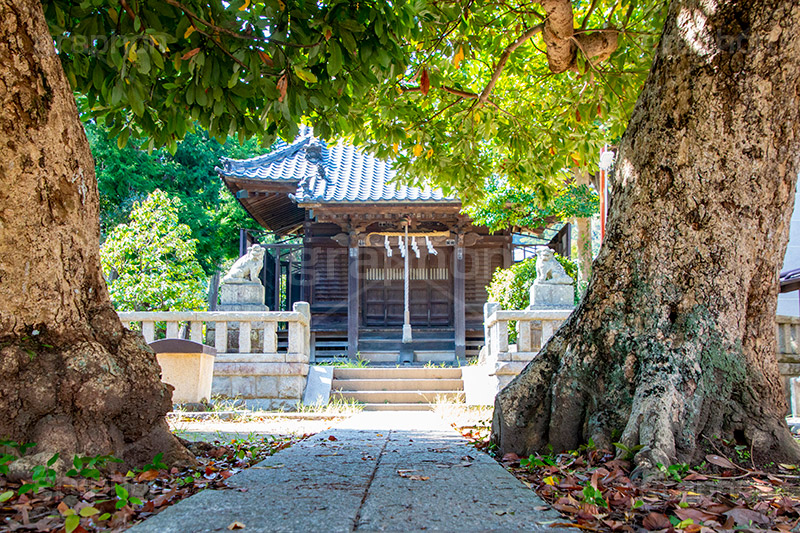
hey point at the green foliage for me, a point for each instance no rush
(124, 498)
(510, 287)
(404, 77)
(239, 68)
(534, 461)
(594, 496)
(88, 466)
(628, 453)
(675, 472)
(533, 123)
(156, 464)
(127, 175)
(150, 262)
(42, 476)
(503, 207)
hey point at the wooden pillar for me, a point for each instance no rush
(242, 241)
(459, 307)
(306, 264)
(277, 278)
(352, 296)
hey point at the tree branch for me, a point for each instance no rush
(219, 45)
(588, 14)
(563, 41)
(498, 69)
(235, 34)
(127, 9)
(445, 88)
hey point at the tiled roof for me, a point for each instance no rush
(329, 174)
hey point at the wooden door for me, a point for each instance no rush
(430, 288)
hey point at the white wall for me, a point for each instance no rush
(789, 303)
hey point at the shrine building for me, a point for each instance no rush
(369, 255)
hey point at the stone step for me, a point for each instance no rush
(396, 373)
(378, 357)
(395, 397)
(397, 407)
(392, 345)
(434, 356)
(420, 356)
(397, 384)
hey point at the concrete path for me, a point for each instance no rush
(378, 471)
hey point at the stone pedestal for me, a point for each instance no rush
(240, 296)
(552, 296)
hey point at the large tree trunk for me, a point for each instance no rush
(72, 379)
(675, 338)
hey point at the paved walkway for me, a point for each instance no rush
(378, 471)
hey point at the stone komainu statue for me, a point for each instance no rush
(548, 270)
(246, 268)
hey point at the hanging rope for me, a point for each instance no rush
(406, 308)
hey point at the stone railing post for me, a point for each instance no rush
(524, 340)
(299, 331)
(221, 337)
(270, 337)
(149, 331)
(196, 331)
(489, 308)
(172, 330)
(548, 328)
(244, 337)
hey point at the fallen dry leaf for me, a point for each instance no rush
(720, 461)
(236, 525)
(656, 521)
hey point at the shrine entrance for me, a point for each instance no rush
(430, 288)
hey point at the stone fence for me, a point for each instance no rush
(788, 335)
(249, 364)
(500, 361)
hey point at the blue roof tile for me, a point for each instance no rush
(329, 174)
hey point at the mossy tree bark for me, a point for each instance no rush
(72, 379)
(675, 339)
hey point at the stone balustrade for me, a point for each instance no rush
(534, 329)
(500, 361)
(249, 364)
(788, 336)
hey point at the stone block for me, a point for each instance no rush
(251, 358)
(291, 386)
(221, 386)
(523, 356)
(267, 386)
(552, 296)
(318, 385)
(188, 366)
(504, 380)
(271, 404)
(261, 369)
(241, 294)
(243, 386)
(508, 368)
(480, 387)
